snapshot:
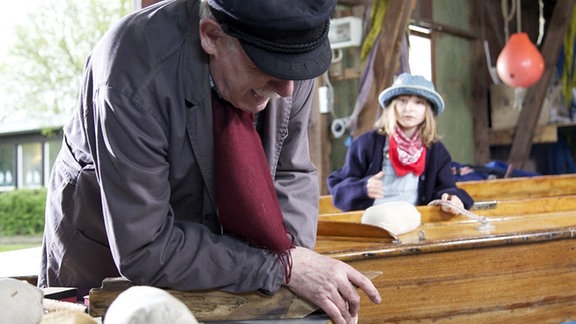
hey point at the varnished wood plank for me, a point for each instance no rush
(521, 282)
(513, 209)
(452, 236)
(525, 207)
(353, 229)
(325, 205)
(505, 208)
(512, 222)
(516, 188)
(215, 305)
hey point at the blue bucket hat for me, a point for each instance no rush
(284, 39)
(407, 84)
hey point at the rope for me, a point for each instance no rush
(541, 22)
(518, 16)
(485, 225)
(507, 16)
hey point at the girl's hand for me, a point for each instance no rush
(374, 186)
(454, 200)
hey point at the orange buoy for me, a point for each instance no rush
(520, 63)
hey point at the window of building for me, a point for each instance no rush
(26, 163)
(420, 52)
(7, 170)
(30, 165)
(51, 149)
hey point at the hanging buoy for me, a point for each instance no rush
(520, 63)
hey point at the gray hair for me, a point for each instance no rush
(206, 13)
(205, 10)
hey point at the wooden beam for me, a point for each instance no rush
(394, 26)
(213, 305)
(543, 134)
(319, 141)
(446, 29)
(535, 95)
(479, 86)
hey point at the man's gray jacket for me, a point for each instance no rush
(132, 190)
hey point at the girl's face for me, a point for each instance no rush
(410, 112)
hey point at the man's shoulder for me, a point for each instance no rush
(152, 33)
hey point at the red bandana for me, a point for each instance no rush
(407, 154)
(246, 198)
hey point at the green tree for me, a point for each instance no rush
(44, 66)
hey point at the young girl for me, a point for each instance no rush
(403, 158)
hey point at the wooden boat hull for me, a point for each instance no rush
(501, 283)
(512, 279)
(450, 271)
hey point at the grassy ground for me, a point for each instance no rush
(12, 247)
(11, 243)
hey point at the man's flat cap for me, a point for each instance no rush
(287, 39)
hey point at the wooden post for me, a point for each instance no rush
(479, 87)
(319, 141)
(528, 118)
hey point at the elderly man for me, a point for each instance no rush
(186, 165)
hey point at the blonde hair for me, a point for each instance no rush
(428, 129)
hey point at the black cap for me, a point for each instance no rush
(287, 39)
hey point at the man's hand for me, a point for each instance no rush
(330, 284)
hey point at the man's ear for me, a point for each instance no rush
(210, 32)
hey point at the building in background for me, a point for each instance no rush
(28, 149)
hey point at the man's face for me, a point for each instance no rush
(238, 80)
